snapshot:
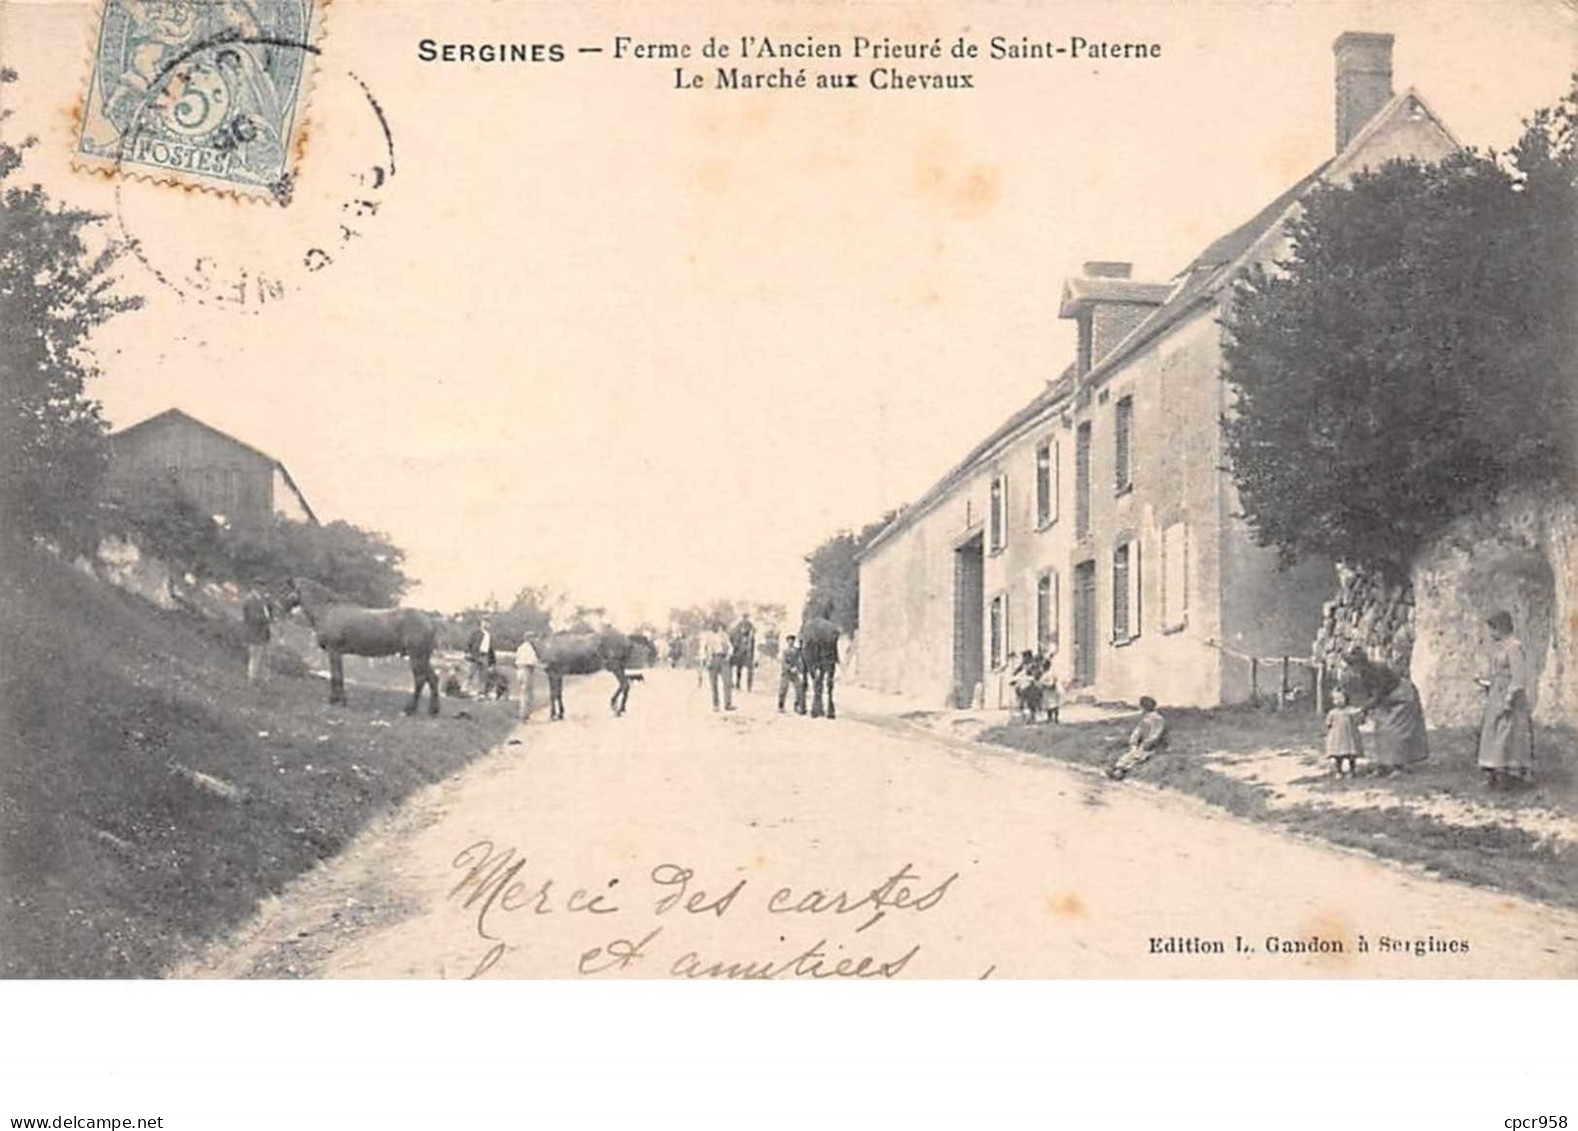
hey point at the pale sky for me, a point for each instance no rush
(652, 346)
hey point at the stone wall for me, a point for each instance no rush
(123, 564)
(1370, 613)
(1521, 556)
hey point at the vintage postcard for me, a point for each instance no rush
(788, 491)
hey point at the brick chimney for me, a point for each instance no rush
(1107, 304)
(1364, 80)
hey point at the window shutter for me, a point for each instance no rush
(1125, 427)
(1002, 517)
(997, 518)
(1120, 592)
(1046, 611)
(1054, 637)
(1175, 576)
(1053, 470)
(1008, 631)
(1136, 614)
(1082, 480)
(1043, 482)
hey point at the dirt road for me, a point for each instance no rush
(680, 842)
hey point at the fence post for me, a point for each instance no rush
(1254, 680)
(1282, 695)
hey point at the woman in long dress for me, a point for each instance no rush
(1506, 737)
(1392, 702)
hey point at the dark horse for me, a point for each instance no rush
(346, 628)
(819, 646)
(583, 653)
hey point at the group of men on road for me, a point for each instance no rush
(729, 660)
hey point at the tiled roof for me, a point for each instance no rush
(176, 416)
(1195, 282)
(1057, 391)
(1192, 287)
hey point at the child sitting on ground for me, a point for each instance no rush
(1149, 735)
(1343, 745)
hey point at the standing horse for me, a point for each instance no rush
(343, 628)
(583, 653)
(819, 646)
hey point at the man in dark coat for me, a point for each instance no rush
(743, 647)
(792, 674)
(482, 657)
(255, 618)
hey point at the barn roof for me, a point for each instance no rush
(176, 416)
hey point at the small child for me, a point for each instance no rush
(1051, 694)
(1343, 745)
(1149, 735)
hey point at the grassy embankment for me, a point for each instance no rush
(150, 798)
(1266, 766)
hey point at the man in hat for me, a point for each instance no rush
(255, 618)
(482, 657)
(716, 650)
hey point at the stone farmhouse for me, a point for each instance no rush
(1095, 523)
(228, 479)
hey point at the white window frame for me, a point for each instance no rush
(1131, 592)
(1047, 505)
(1047, 637)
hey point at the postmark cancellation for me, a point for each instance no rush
(201, 93)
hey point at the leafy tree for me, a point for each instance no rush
(527, 615)
(360, 565)
(1414, 353)
(694, 619)
(834, 574)
(57, 284)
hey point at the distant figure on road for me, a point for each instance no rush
(716, 650)
(1344, 746)
(255, 618)
(676, 650)
(743, 652)
(1392, 702)
(1149, 736)
(792, 674)
(526, 662)
(481, 656)
(1506, 735)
